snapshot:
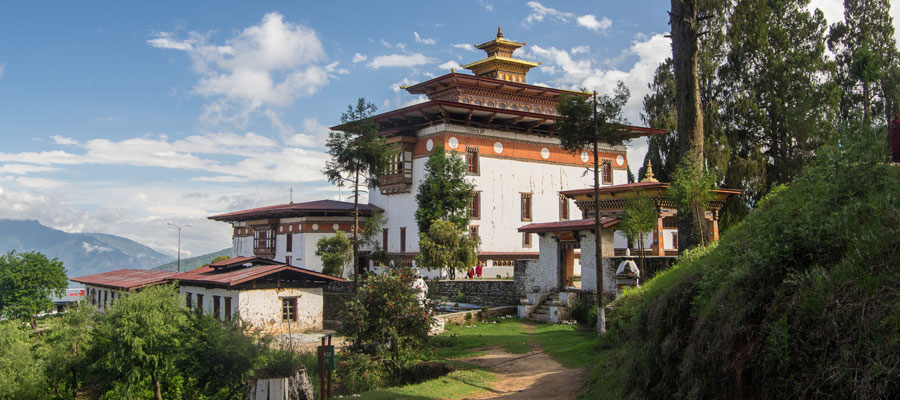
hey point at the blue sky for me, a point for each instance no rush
(118, 117)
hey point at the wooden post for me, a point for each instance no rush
(322, 367)
(660, 241)
(328, 396)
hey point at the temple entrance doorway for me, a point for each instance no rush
(566, 264)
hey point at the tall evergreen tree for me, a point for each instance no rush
(444, 193)
(358, 155)
(867, 60)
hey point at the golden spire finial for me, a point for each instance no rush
(648, 176)
(499, 32)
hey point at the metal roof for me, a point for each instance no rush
(333, 207)
(574, 225)
(126, 279)
(235, 276)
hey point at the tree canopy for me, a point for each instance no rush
(27, 280)
(444, 193)
(336, 252)
(445, 245)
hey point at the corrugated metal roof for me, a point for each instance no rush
(574, 225)
(231, 277)
(295, 210)
(126, 279)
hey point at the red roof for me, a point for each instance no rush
(574, 225)
(633, 186)
(296, 210)
(126, 279)
(231, 277)
(235, 261)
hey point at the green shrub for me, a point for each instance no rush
(585, 310)
(799, 300)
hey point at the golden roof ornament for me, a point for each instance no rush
(648, 176)
(499, 32)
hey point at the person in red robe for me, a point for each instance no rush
(471, 273)
(478, 270)
(895, 138)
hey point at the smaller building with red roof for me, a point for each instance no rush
(104, 288)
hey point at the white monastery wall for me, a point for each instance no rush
(97, 294)
(243, 246)
(262, 309)
(208, 299)
(588, 271)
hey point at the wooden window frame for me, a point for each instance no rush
(217, 310)
(526, 206)
(475, 205)
(384, 239)
(473, 231)
(472, 161)
(606, 173)
(264, 241)
(289, 309)
(563, 208)
(403, 239)
(228, 309)
(526, 239)
(200, 302)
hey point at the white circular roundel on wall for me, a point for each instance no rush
(545, 153)
(498, 147)
(315, 227)
(584, 156)
(453, 143)
(620, 160)
(429, 145)
(335, 226)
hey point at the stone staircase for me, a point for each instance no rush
(546, 307)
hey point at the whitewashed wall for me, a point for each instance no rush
(588, 271)
(261, 308)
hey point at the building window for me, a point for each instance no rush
(105, 297)
(473, 231)
(675, 240)
(472, 160)
(289, 309)
(526, 206)
(200, 302)
(264, 241)
(606, 170)
(288, 247)
(475, 205)
(403, 240)
(187, 301)
(563, 208)
(228, 308)
(384, 239)
(526, 239)
(216, 308)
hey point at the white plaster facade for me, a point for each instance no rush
(101, 297)
(262, 308)
(501, 180)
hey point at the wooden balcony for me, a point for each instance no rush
(647, 253)
(397, 182)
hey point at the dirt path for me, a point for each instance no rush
(533, 375)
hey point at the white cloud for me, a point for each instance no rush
(386, 44)
(590, 22)
(24, 169)
(265, 65)
(90, 248)
(38, 183)
(449, 64)
(359, 58)
(486, 5)
(581, 49)
(539, 12)
(421, 40)
(832, 9)
(401, 60)
(466, 47)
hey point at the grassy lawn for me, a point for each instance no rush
(453, 385)
(569, 346)
(459, 341)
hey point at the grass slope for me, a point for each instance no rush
(800, 300)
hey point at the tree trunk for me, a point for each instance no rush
(683, 20)
(598, 249)
(33, 323)
(356, 234)
(157, 387)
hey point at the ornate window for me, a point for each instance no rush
(472, 160)
(526, 206)
(526, 239)
(490, 103)
(473, 231)
(475, 205)
(526, 108)
(264, 241)
(403, 239)
(563, 208)
(514, 107)
(606, 170)
(477, 102)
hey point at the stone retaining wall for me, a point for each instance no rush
(487, 292)
(334, 296)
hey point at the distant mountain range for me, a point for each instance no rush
(194, 262)
(81, 253)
